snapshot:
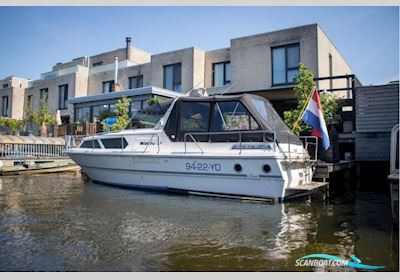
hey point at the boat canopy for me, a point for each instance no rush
(227, 114)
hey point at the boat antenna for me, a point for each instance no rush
(228, 88)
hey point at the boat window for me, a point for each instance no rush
(136, 106)
(194, 117)
(114, 143)
(282, 132)
(90, 144)
(231, 116)
(150, 115)
(268, 113)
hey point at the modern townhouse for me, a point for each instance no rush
(262, 64)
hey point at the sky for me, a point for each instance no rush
(33, 39)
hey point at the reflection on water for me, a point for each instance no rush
(61, 223)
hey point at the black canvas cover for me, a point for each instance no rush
(258, 107)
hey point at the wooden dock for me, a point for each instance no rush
(13, 167)
(26, 155)
(324, 169)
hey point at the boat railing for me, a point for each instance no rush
(219, 133)
(70, 141)
(310, 144)
(307, 141)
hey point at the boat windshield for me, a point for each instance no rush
(150, 116)
(267, 112)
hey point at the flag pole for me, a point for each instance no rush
(302, 111)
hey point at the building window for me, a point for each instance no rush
(221, 74)
(113, 107)
(108, 86)
(5, 85)
(173, 77)
(62, 96)
(98, 64)
(30, 102)
(44, 94)
(285, 64)
(82, 115)
(96, 113)
(4, 106)
(136, 82)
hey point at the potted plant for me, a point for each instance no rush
(12, 125)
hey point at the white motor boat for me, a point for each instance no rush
(229, 146)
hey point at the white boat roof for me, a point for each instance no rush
(127, 93)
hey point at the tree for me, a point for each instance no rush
(104, 114)
(28, 118)
(152, 101)
(43, 117)
(304, 84)
(122, 115)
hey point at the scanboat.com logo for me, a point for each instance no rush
(329, 260)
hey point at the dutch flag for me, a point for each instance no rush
(314, 116)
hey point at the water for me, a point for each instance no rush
(61, 223)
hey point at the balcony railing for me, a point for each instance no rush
(65, 71)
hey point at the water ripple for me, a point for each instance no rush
(60, 223)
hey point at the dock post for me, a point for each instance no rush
(358, 171)
(327, 191)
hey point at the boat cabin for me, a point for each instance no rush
(216, 119)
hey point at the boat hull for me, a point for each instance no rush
(196, 173)
(228, 185)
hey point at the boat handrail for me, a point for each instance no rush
(70, 142)
(210, 133)
(287, 154)
(307, 144)
(194, 140)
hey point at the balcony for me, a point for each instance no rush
(110, 67)
(62, 72)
